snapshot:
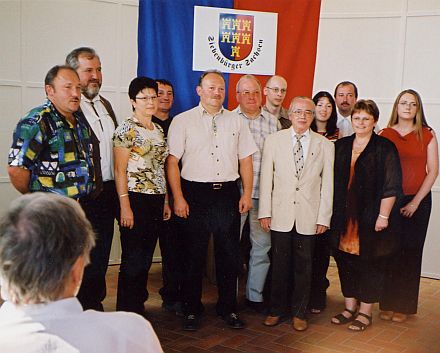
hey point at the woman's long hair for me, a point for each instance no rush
(331, 122)
(419, 119)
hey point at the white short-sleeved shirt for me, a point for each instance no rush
(87, 331)
(210, 145)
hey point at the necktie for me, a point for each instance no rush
(298, 156)
(99, 118)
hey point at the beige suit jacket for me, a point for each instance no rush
(285, 199)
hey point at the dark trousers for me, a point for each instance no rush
(101, 212)
(291, 272)
(360, 278)
(138, 246)
(171, 249)
(211, 211)
(401, 290)
(320, 283)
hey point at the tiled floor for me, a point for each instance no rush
(420, 334)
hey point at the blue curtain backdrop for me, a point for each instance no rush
(165, 45)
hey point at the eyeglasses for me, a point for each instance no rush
(409, 104)
(249, 93)
(147, 98)
(277, 90)
(307, 113)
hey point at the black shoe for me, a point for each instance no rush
(173, 307)
(233, 321)
(190, 322)
(259, 307)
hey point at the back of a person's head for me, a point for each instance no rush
(41, 237)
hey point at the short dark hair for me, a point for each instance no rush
(207, 72)
(41, 237)
(53, 73)
(140, 83)
(347, 83)
(331, 122)
(72, 57)
(165, 82)
(367, 105)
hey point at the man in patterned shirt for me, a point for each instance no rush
(52, 149)
(261, 124)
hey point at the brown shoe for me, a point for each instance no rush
(399, 317)
(272, 320)
(386, 315)
(299, 324)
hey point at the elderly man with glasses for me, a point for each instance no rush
(296, 197)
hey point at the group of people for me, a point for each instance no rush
(311, 181)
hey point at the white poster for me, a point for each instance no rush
(234, 41)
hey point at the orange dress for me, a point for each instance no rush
(349, 241)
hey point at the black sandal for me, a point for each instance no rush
(358, 325)
(342, 320)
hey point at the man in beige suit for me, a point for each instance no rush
(296, 196)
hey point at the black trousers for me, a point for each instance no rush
(320, 283)
(291, 272)
(213, 209)
(138, 246)
(101, 212)
(402, 282)
(171, 248)
(360, 278)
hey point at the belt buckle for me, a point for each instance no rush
(217, 186)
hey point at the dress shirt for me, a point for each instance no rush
(283, 118)
(305, 142)
(260, 127)
(103, 127)
(210, 145)
(344, 125)
(87, 331)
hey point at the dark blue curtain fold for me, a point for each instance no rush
(165, 45)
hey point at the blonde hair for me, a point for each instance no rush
(419, 120)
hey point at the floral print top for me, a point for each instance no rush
(148, 151)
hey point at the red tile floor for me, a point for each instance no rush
(420, 334)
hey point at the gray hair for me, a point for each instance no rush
(72, 57)
(41, 237)
(246, 77)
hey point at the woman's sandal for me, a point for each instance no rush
(358, 325)
(342, 320)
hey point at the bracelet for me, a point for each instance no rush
(383, 217)
(166, 202)
(123, 195)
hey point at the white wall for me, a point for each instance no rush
(385, 47)
(38, 34)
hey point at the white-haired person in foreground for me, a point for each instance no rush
(45, 241)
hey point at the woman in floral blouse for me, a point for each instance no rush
(140, 151)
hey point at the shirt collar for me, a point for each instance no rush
(261, 115)
(95, 99)
(306, 134)
(204, 112)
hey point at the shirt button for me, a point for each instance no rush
(218, 160)
(216, 146)
(297, 189)
(218, 173)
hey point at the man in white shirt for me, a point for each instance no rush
(215, 148)
(346, 94)
(261, 124)
(45, 241)
(101, 207)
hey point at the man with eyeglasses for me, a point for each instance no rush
(275, 92)
(102, 206)
(261, 124)
(296, 197)
(215, 148)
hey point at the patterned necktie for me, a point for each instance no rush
(298, 155)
